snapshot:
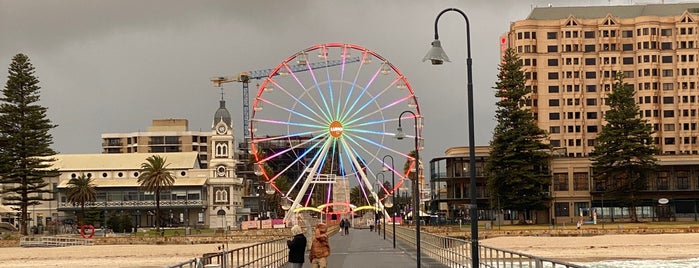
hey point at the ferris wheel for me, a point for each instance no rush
(325, 119)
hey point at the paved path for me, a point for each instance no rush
(366, 249)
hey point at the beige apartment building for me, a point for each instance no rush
(162, 136)
(570, 57)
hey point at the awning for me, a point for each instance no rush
(422, 214)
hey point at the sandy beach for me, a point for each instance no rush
(572, 249)
(105, 256)
(603, 247)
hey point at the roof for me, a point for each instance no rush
(134, 183)
(86, 162)
(594, 12)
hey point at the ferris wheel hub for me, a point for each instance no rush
(336, 129)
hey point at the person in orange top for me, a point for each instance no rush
(320, 247)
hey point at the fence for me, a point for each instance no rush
(455, 252)
(272, 253)
(53, 241)
(452, 252)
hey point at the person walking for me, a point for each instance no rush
(320, 248)
(342, 227)
(297, 247)
(346, 226)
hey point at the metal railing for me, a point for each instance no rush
(272, 253)
(454, 252)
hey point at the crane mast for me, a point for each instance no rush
(245, 78)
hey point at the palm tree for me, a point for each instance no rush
(81, 190)
(154, 178)
(357, 197)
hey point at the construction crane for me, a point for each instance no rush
(245, 78)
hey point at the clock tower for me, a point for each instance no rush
(223, 187)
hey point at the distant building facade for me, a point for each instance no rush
(163, 136)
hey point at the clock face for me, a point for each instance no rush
(221, 129)
(221, 171)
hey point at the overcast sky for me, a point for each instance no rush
(113, 66)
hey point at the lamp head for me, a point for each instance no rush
(400, 134)
(436, 54)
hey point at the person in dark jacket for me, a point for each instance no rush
(297, 247)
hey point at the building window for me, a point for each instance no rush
(560, 181)
(580, 182)
(666, 32)
(590, 75)
(562, 209)
(555, 143)
(554, 129)
(663, 183)
(554, 116)
(592, 129)
(682, 180)
(589, 34)
(553, 89)
(554, 102)
(553, 76)
(552, 48)
(221, 150)
(551, 35)
(553, 62)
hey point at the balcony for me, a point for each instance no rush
(134, 204)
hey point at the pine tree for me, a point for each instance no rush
(25, 141)
(518, 162)
(624, 152)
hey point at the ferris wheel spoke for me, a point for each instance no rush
(310, 96)
(366, 59)
(362, 172)
(364, 90)
(383, 121)
(291, 148)
(299, 101)
(345, 55)
(286, 123)
(311, 166)
(292, 111)
(371, 100)
(319, 89)
(379, 110)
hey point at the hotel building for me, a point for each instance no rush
(570, 57)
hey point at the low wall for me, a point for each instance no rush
(586, 230)
(238, 236)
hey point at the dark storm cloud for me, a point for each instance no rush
(113, 66)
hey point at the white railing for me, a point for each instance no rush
(147, 203)
(53, 241)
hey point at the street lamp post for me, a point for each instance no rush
(437, 56)
(393, 194)
(416, 185)
(376, 215)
